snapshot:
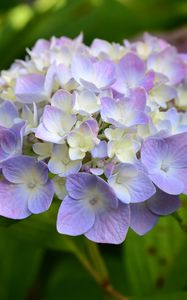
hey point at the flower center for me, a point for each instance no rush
(164, 167)
(93, 201)
(31, 185)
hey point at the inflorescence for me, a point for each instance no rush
(103, 127)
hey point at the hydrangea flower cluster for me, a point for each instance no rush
(103, 127)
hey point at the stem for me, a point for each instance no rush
(112, 292)
(97, 259)
(101, 268)
(96, 267)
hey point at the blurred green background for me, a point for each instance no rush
(36, 262)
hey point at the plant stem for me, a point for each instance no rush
(95, 267)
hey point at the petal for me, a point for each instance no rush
(131, 68)
(111, 226)
(40, 200)
(63, 100)
(77, 184)
(8, 113)
(43, 133)
(13, 201)
(104, 73)
(82, 68)
(163, 204)
(30, 88)
(142, 219)
(73, 217)
(131, 185)
(16, 168)
(168, 183)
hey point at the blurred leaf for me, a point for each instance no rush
(170, 296)
(148, 259)
(19, 265)
(115, 21)
(70, 281)
(40, 230)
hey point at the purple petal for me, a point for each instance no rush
(100, 150)
(111, 226)
(13, 202)
(80, 184)
(131, 68)
(169, 64)
(142, 219)
(74, 218)
(30, 88)
(16, 168)
(104, 73)
(163, 204)
(82, 68)
(130, 184)
(41, 199)
(8, 113)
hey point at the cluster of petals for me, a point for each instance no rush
(102, 128)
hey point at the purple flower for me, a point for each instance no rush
(125, 112)
(130, 183)
(91, 208)
(55, 125)
(169, 64)
(11, 141)
(92, 75)
(166, 162)
(145, 215)
(8, 113)
(131, 73)
(26, 188)
(30, 88)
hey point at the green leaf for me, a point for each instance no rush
(170, 296)
(40, 230)
(149, 259)
(19, 265)
(68, 280)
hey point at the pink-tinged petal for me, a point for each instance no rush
(163, 204)
(50, 80)
(30, 88)
(111, 226)
(138, 98)
(104, 72)
(100, 47)
(40, 200)
(92, 125)
(82, 68)
(169, 64)
(63, 100)
(131, 68)
(142, 219)
(74, 218)
(40, 46)
(63, 74)
(8, 113)
(16, 168)
(148, 81)
(13, 201)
